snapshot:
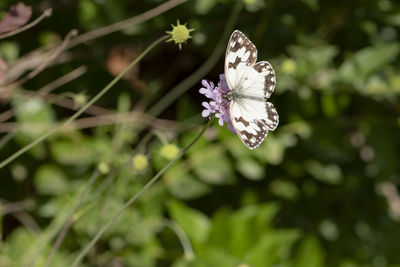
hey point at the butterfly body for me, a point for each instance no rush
(250, 85)
(236, 96)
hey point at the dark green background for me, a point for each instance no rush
(312, 195)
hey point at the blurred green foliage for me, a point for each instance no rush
(311, 195)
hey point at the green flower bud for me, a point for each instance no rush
(289, 66)
(140, 162)
(103, 168)
(79, 100)
(169, 151)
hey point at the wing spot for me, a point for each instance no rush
(242, 120)
(234, 64)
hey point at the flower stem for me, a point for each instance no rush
(81, 110)
(136, 196)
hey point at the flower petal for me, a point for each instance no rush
(205, 83)
(205, 113)
(221, 122)
(206, 105)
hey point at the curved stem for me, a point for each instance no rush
(135, 197)
(45, 14)
(187, 247)
(81, 110)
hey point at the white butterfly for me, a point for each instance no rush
(250, 85)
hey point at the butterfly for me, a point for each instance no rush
(250, 85)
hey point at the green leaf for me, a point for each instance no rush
(251, 169)
(247, 226)
(310, 60)
(80, 152)
(30, 110)
(213, 166)
(321, 56)
(183, 185)
(367, 61)
(329, 106)
(271, 151)
(310, 253)
(284, 189)
(272, 248)
(16, 245)
(9, 51)
(254, 5)
(48, 38)
(33, 110)
(88, 13)
(234, 145)
(214, 256)
(204, 6)
(351, 263)
(195, 224)
(124, 102)
(49, 179)
(330, 173)
(312, 4)
(242, 227)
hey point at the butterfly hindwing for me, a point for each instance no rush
(252, 119)
(240, 55)
(272, 120)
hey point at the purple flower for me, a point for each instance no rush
(210, 108)
(222, 85)
(208, 89)
(218, 106)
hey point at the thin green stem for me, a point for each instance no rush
(81, 110)
(135, 197)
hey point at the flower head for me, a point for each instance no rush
(103, 167)
(80, 100)
(288, 66)
(179, 34)
(218, 106)
(169, 151)
(140, 162)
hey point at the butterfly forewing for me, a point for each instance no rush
(240, 55)
(251, 116)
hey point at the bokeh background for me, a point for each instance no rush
(322, 190)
